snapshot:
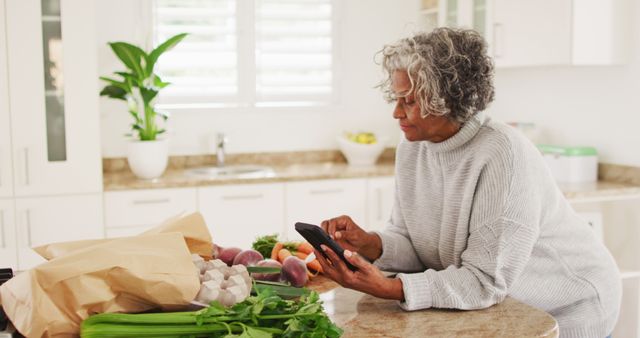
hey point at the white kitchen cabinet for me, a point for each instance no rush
(237, 214)
(8, 249)
(560, 32)
(43, 220)
(315, 201)
(380, 199)
(6, 175)
(143, 209)
(52, 66)
(615, 220)
(475, 14)
(527, 33)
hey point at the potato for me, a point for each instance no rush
(248, 258)
(227, 255)
(274, 277)
(294, 271)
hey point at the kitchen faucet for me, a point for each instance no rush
(220, 153)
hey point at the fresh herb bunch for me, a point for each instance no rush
(265, 315)
(265, 244)
(139, 85)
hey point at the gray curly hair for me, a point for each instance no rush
(449, 70)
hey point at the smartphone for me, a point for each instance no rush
(316, 236)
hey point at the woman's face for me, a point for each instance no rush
(432, 128)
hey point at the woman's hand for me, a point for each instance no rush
(351, 237)
(368, 278)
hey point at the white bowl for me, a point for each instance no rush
(359, 154)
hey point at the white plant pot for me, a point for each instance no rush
(148, 159)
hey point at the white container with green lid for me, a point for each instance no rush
(571, 164)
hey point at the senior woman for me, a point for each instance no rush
(477, 215)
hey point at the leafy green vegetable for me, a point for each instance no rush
(281, 289)
(264, 315)
(263, 269)
(264, 245)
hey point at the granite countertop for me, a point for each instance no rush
(179, 178)
(287, 166)
(615, 182)
(362, 315)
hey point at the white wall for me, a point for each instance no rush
(595, 106)
(365, 26)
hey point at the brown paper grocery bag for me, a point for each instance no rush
(191, 226)
(130, 274)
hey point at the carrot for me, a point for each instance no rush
(301, 255)
(315, 265)
(283, 254)
(305, 247)
(275, 250)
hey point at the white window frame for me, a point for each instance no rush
(247, 68)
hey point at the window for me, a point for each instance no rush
(247, 53)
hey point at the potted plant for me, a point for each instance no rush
(139, 85)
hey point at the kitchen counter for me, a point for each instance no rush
(616, 182)
(178, 178)
(362, 315)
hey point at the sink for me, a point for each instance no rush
(233, 171)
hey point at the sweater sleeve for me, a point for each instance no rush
(503, 228)
(398, 253)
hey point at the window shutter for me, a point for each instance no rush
(290, 42)
(203, 67)
(293, 51)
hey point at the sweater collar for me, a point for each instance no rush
(467, 132)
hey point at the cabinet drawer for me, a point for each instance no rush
(8, 250)
(380, 199)
(237, 214)
(315, 201)
(146, 207)
(44, 220)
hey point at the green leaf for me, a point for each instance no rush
(129, 78)
(163, 47)
(132, 57)
(157, 82)
(114, 92)
(120, 84)
(148, 94)
(252, 332)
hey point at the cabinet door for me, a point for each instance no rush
(146, 208)
(6, 176)
(237, 214)
(8, 249)
(55, 219)
(54, 96)
(531, 32)
(380, 199)
(315, 201)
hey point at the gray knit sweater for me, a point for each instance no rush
(478, 217)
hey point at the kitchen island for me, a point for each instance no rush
(362, 315)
